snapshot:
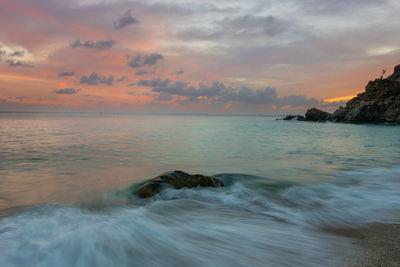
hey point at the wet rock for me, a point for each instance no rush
(177, 180)
(289, 117)
(294, 117)
(314, 114)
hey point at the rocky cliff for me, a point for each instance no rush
(379, 103)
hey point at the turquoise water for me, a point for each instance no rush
(65, 198)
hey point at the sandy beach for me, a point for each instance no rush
(379, 244)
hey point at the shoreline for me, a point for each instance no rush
(379, 242)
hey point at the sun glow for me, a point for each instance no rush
(337, 99)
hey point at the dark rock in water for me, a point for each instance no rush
(300, 118)
(294, 117)
(289, 117)
(177, 180)
(314, 114)
(379, 103)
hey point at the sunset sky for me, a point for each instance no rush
(261, 56)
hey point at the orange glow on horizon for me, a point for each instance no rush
(20, 77)
(340, 98)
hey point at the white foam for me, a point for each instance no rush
(230, 226)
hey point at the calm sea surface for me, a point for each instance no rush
(65, 184)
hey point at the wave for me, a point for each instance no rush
(350, 197)
(251, 221)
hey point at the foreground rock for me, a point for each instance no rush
(177, 180)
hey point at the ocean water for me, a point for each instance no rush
(66, 181)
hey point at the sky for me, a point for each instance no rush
(188, 56)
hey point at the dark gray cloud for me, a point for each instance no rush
(145, 72)
(297, 101)
(94, 79)
(17, 53)
(163, 97)
(21, 98)
(67, 91)
(218, 92)
(98, 45)
(338, 6)
(108, 81)
(145, 60)
(17, 63)
(250, 24)
(156, 82)
(239, 27)
(182, 88)
(125, 20)
(66, 73)
(178, 72)
(178, 88)
(94, 96)
(267, 95)
(121, 79)
(131, 84)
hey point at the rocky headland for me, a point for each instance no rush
(380, 103)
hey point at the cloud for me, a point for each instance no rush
(156, 82)
(67, 91)
(339, 6)
(178, 72)
(145, 60)
(121, 79)
(16, 56)
(145, 72)
(94, 96)
(95, 79)
(92, 79)
(245, 26)
(125, 20)
(218, 92)
(17, 63)
(98, 45)
(163, 97)
(250, 24)
(17, 53)
(297, 101)
(182, 88)
(178, 88)
(334, 104)
(66, 73)
(108, 81)
(267, 95)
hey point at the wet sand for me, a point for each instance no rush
(379, 244)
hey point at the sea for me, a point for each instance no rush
(67, 183)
